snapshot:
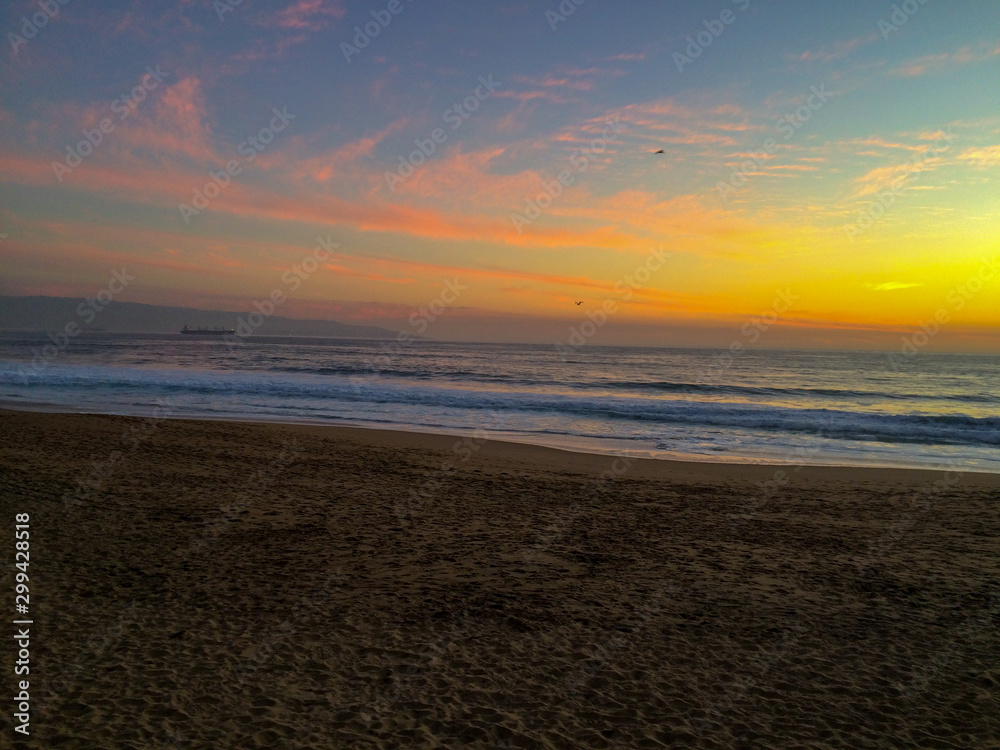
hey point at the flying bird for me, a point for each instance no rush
(579, 303)
(661, 151)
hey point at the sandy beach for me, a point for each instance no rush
(231, 585)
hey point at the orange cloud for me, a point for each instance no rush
(882, 143)
(881, 178)
(345, 271)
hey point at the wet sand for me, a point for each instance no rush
(209, 584)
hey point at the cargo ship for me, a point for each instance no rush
(207, 331)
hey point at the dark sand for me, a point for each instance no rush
(227, 585)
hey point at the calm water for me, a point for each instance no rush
(774, 406)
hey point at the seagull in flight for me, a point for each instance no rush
(579, 303)
(661, 151)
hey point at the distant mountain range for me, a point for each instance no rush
(52, 314)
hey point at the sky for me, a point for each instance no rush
(472, 171)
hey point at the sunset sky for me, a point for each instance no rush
(820, 151)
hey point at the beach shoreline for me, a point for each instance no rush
(227, 584)
(773, 407)
(442, 439)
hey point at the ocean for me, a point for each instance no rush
(760, 406)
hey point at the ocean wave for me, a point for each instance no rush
(453, 375)
(327, 393)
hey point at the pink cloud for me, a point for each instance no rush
(347, 159)
(178, 125)
(308, 14)
(669, 121)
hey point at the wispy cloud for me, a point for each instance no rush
(881, 178)
(874, 141)
(342, 161)
(946, 60)
(628, 56)
(837, 51)
(988, 156)
(180, 126)
(671, 122)
(890, 286)
(310, 15)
